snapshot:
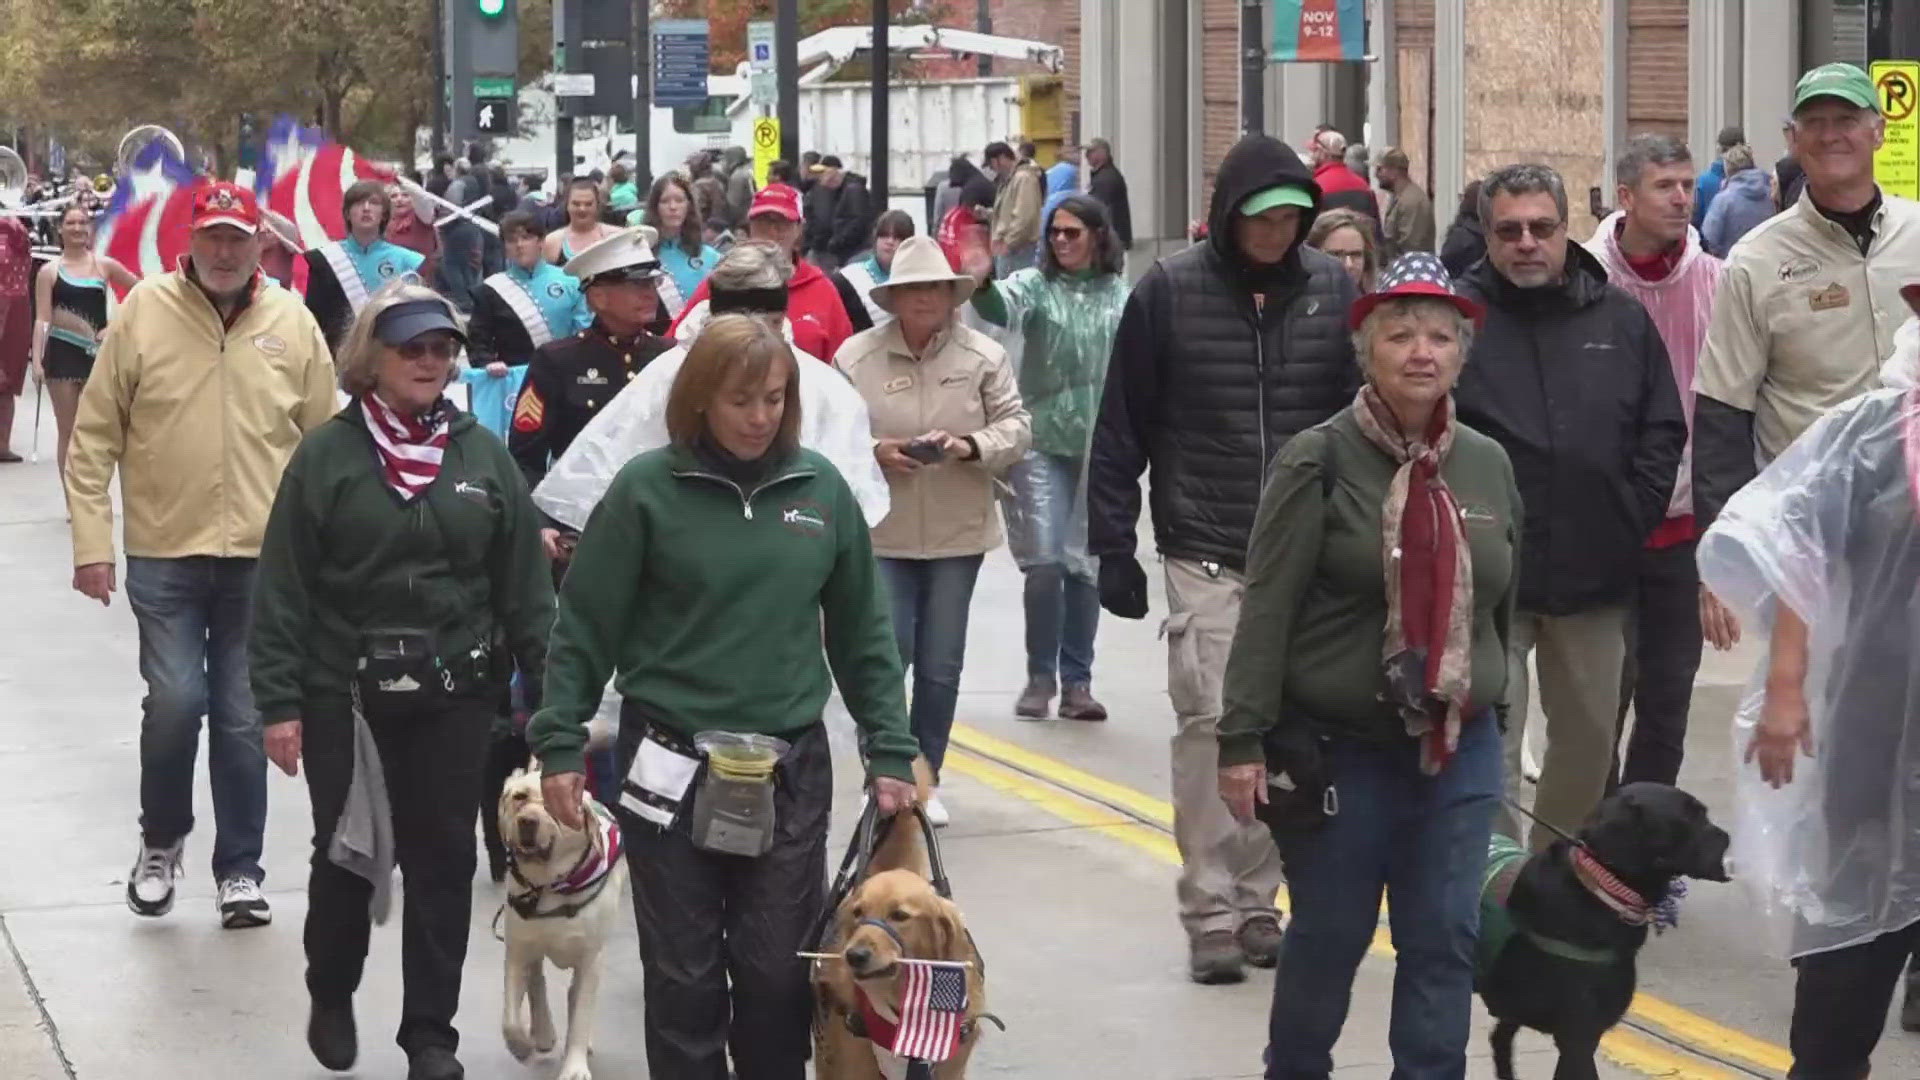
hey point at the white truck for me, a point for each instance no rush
(932, 121)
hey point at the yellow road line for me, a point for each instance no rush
(1683, 1025)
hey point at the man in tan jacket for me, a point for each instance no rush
(205, 384)
(1016, 209)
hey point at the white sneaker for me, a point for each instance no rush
(150, 882)
(242, 904)
(937, 812)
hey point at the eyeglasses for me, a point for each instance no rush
(1541, 228)
(440, 349)
(1066, 232)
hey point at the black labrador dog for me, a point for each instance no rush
(1577, 916)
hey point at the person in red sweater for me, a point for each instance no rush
(1339, 185)
(814, 310)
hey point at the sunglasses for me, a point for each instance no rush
(441, 349)
(1066, 232)
(1541, 228)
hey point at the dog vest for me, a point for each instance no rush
(1505, 857)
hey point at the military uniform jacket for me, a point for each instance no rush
(567, 382)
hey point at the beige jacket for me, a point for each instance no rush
(963, 386)
(199, 418)
(1016, 213)
(1802, 319)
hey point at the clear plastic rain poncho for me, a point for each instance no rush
(1058, 333)
(833, 423)
(1831, 529)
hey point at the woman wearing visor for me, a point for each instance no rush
(721, 580)
(400, 579)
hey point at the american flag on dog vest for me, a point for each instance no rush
(933, 1006)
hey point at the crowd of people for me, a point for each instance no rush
(1386, 482)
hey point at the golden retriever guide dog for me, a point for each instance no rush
(895, 890)
(563, 894)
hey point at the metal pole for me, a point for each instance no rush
(983, 22)
(643, 95)
(786, 56)
(882, 109)
(566, 23)
(1253, 68)
(438, 139)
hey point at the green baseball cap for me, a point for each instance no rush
(1843, 81)
(1279, 195)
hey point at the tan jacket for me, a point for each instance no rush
(963, 386)
(200, 419)
(1016, 213)
(1802, 319)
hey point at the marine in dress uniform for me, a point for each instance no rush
(570, 379)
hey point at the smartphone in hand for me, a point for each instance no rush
(925, 451)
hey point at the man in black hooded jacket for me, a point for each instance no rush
(1224, 351)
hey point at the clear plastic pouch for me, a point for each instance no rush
(733, 805)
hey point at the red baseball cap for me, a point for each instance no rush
(225, 203)
(778, 199)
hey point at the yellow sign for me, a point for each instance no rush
(1896, 165)
(766, 148)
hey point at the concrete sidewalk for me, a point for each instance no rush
(1087, 959)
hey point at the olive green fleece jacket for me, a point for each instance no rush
(344, 554)
(712, 601)
(1313, 618)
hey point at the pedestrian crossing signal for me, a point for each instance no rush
(493, 115)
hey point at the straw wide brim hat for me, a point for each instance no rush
(919, 260)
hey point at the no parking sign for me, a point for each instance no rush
(1896, 165)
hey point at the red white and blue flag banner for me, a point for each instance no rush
(933, 1006)
(146, 223)
(302, 176)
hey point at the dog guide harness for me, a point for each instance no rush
(584, 881)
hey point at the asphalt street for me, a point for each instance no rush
(1058, 854)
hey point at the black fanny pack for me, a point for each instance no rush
(401, 665)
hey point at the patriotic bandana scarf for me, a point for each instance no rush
(410, 448)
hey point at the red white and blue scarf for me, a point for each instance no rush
(410, 447)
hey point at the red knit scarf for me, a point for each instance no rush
(1429, 577)
(410, 447)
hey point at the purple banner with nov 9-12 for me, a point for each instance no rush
(1320, 31)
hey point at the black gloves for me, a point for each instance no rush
(1123, 586)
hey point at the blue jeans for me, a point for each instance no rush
(462, 248)
(1049, 543)
(193, 615)
(1424, 840)
(930, 602)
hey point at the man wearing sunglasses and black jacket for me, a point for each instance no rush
(1570, 375)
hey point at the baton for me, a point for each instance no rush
(39, 393)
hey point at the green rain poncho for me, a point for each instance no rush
(1059, 336)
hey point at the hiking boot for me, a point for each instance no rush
(1035, 698)
(331, 1035)
(1259, 939)
(1216, 958)
(150, 882)
(1077, 703)
(434, 1063)
(242, 905)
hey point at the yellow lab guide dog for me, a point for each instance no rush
(563, 894)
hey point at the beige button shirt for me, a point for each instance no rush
(1802, 319)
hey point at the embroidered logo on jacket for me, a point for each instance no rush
(807, 518)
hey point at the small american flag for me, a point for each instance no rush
(933, 1005)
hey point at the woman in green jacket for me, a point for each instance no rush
(1066, 311)
(400, 579)
(708, 579)
(1367, 670)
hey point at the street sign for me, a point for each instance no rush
(764, 89)
(573, 84)
(493, 115)
(766, 148)
(1896, 165)
(681, 58)
(492, 86)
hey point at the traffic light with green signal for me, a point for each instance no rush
(492, 9)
